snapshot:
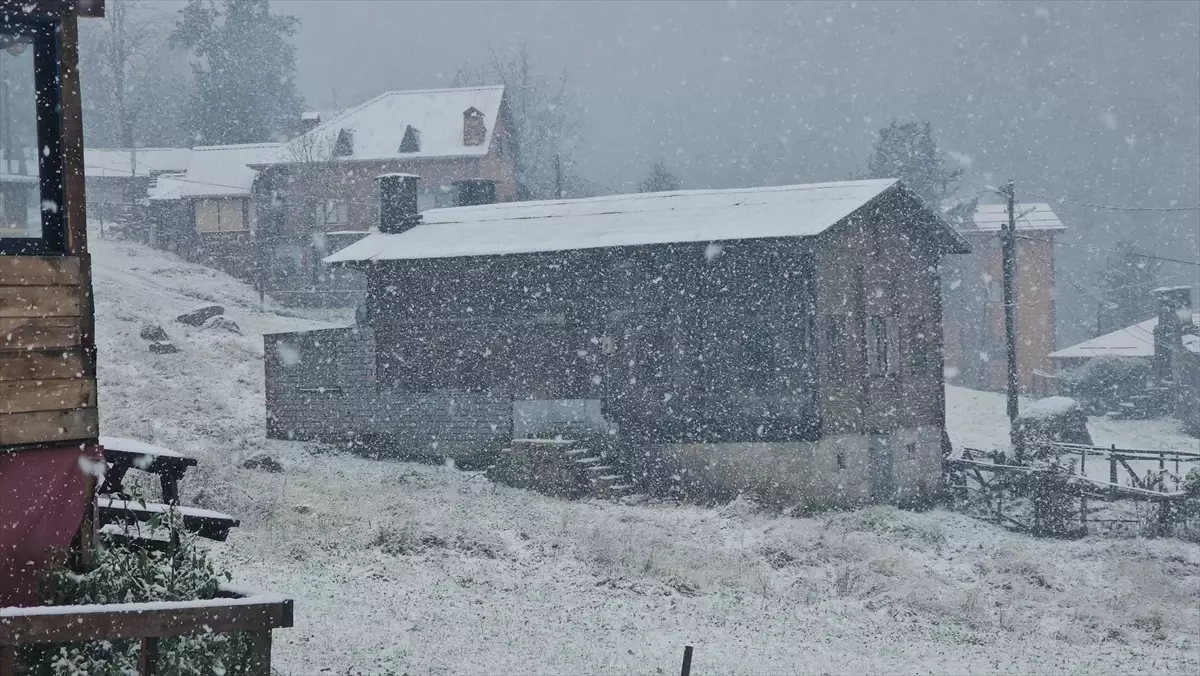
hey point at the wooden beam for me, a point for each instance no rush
(40, 365)
(40, 333)
(40, 301)
(46, 395)
(19, 626)
(41, 427)
(39, 271)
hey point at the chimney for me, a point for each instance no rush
(1174, 317)
(474, 130)
(474, 191)
(397, 202)
(309, 121)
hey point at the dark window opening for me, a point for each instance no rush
(835, 345)
(841, 461)
(911, 451)
(759, 364)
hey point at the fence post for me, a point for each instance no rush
(1083, 462)
(687, 661)
(1164, 518)
(1083, 512)
(1112, 465)
(148, 660)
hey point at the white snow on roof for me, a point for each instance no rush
(621, 220)
(114, 163)
(1050, 407)
(1030, 216)
(166, 187)
(1131, 341)
(215, 171)
(378, 125)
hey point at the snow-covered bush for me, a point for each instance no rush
(128, 574)
(1104, 383)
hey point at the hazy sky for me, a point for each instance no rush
(1091, 101)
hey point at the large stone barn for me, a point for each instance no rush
(784, 341)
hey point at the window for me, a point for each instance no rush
(31, 191)
(910, 450)
(759, 367)
(876, 346)
(835, 344)
(221, 215)
(841, 461)
(334, 212)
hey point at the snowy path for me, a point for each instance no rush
(418, 569)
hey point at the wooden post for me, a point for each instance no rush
(686, 670)
(1112, 465)
(1083, 512)
(8, 660)
(260, 652)
(1164, 518)
(148, 661)
(1083, 462)
(1008, 239)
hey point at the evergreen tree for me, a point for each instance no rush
(660, 179)
(244, 69)
(1126, 282)
(909, 152)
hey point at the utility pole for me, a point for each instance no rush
(1008, 240)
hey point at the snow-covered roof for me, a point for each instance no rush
(378, 126)
(215, 171)
(114, 163)
(623, 220)
(1030, 216)
(1131, 341)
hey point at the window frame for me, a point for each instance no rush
(47, 74)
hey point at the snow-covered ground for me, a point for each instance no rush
(420, 569)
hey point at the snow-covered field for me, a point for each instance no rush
(420, 569)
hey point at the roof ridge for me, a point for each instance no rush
(237, 145)
(392, 92)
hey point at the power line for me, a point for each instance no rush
(1097, 248)
(1110, 207)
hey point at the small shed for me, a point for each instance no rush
(787, 338)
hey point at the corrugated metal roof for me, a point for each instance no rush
(1030, 216)
(623, 220)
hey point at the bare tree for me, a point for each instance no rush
(125, 46)
(542, 115)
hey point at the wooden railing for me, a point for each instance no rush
(257, 614)
(1118, 459)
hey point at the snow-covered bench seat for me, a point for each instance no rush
(204, 522)
(125, 454)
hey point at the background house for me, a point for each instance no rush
(974, 301)
(319, 194)
(207, 213)
(116, 184)
(781, 340)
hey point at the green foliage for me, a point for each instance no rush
(909, 152)
(127, 574)
(1104, 383)
(660, 179)
(244, 68)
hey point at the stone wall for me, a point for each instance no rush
(321, 385)
(839, 471)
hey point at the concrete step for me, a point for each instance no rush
(589, 461)
(576, 451)
(611, 477)
(598, 468)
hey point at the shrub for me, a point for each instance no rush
(1104, 383)
(130, 574)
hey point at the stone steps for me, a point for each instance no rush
(563, 468)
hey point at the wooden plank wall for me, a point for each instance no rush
(47, 380)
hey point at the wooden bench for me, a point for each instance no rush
(204, 522)
(126, 454)
(114, 505)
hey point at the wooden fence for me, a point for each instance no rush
(257, 614)
(1050, 502)
(1173, 466)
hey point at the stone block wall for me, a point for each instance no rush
(321, 385)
